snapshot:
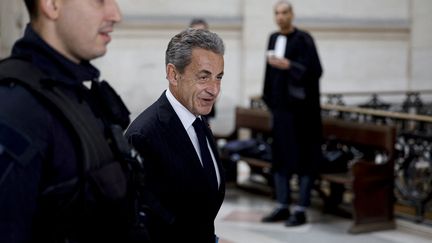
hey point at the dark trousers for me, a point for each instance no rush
(283, 188)
(294, 152)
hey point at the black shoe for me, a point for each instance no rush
(296, 219)
(278, 214)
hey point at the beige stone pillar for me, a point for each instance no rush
(257, 25)
(421, 45)
(13, 17)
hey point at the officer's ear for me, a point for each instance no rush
(50, 8)
(173, 74)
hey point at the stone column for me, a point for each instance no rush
(421, 45)
(258, 23)
(13, 17)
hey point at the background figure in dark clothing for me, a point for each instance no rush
(198, 23)
(291, 91)
(60, 178)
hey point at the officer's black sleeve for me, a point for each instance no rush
(20, 161)
(19, 180)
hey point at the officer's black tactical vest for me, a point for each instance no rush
(101, 181)
(95, 150)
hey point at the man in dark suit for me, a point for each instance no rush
(181, 160)
(291, 91)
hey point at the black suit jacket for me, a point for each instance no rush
(175, 175)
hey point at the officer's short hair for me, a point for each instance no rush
(31, 8)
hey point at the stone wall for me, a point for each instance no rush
(364, 45)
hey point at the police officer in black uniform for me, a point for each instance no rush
(63, 177)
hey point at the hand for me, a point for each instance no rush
(281, 63)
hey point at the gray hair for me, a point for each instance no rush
(31, 6)
(179, 50)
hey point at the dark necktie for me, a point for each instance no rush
(206, 158)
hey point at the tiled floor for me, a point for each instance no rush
(239, 222)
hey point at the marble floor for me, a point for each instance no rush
(238, 221)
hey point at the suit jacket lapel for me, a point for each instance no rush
(180, 138)
(176, 132)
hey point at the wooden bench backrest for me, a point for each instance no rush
(381, 137)
(254, 119)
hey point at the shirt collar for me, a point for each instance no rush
(186, 117)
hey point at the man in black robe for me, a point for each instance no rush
(291, 91)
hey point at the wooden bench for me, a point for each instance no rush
(370, 183)
(256, 123)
